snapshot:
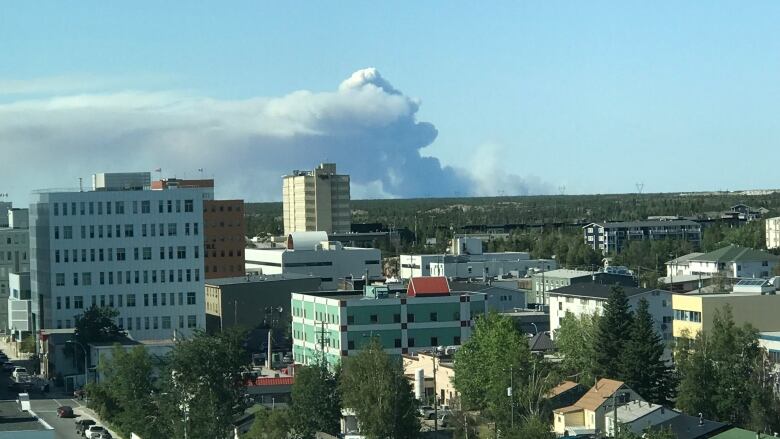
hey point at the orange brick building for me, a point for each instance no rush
(223, 236)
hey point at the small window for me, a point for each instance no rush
(434, 317)
(434, 341)
(411, 342)
(410, 318)
(396, 318)
(374, 318)
(398, 342)
(351, 344)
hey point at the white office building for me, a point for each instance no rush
(14, 254)
(21, 316)
(311, 254)
(466, 259)
(123, 246)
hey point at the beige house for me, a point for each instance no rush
(423, 388)
(586, 416)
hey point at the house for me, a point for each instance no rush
(612, 237)
(684, 426)
(545, 281)
(541, 343)
(733, 261)
(502, 295)
(636, 416)
(587, 415)
(771, 342)
(419, 368)
(589, 298)
(565, 394)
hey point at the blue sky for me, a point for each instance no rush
(524, 97)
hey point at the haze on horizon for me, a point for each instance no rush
(412, 100)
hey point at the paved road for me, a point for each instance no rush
(45, 406)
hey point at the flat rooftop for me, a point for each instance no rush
(358, 294)
(12, 418)
(569, 274)
(259, 278)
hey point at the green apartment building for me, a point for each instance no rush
(336, 324)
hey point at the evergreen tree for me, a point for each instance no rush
(643, 367)
(316, 405)
(374, 386)
(612, 335)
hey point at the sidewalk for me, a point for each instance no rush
(11, 349)
(84, 411)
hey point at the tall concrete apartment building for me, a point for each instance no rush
(773, 232)
(120, 245)
(316, 200)
(14, 254)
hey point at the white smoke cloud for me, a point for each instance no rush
(366, 126)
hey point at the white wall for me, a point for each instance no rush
(342, 263)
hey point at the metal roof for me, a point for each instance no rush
(650, 223)
(736, 253)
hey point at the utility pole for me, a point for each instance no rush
(322, 340)
(511, 393)
(435, 395)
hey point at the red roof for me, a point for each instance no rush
(428, 286)
(271, 381)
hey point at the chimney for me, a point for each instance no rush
(701, 419)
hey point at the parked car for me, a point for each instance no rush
(427, 412)
(18, 370)
(8, 366)
(94, 431)
(65, 411)
(83, 424)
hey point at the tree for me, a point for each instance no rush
(532, 427)
(316, 404)
(126, 395)
(643, 368)
(723, 376)
(270, 424)
(374, 386)
(204, 389)
(611, 332)
(495, 356)
(97, 325)
(574, 340)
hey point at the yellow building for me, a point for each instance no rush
(424, 361)
(695, 312)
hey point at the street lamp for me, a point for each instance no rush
(86, 368)
(536, 329)
(437, 351)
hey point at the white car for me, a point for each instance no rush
(17, 371)
(94, 431)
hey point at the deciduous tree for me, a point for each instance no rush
(316, 403)
(374, 386)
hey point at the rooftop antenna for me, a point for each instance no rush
(639, 187)
(81, 184)
(562, 189)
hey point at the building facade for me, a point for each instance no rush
(695, 312)
(14, 255)
(311, 254)
(588, 299)
(773, 232)
(546, 281)
(612, 237)
(136, 250)
(316, 200)
(21, 316)
(337, 324)
(224, 238)
(251, 300)
(731, 261)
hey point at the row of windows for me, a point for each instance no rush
(128, 231)
(139, 253)
(127, 300)
(153, 322)
(8, 256)
(224, 269)
(129, 277)
(222, 253)
(687, 316)
(373, 318)
(118, 207)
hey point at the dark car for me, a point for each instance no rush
(83, 424)
(65, 411)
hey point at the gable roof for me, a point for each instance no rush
(687, 427)
(561, 388)
(596, 291)
(541, 342)
(736, 253)
(428, 286)
(598, 394)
